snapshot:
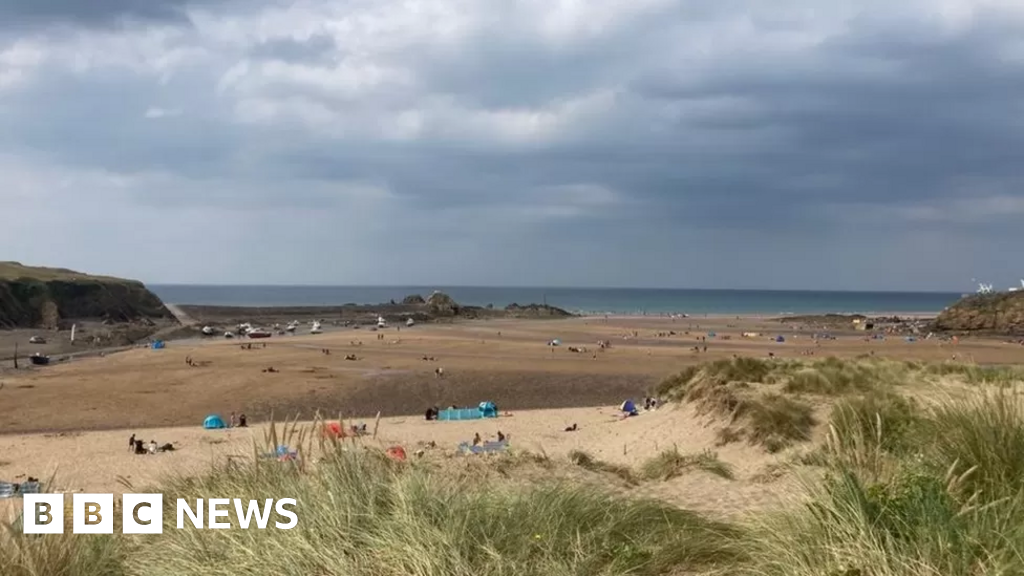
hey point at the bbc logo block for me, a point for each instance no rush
(144, 513)
(93, 514)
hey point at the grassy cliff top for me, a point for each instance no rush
(17, 271)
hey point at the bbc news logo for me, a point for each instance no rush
(144, 513)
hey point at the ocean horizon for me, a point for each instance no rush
(580, 300)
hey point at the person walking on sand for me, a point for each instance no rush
(131, 443)
(234, 420)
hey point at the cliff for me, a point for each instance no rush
(997, 313)
(42, 297)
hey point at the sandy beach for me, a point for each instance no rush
(72, 421)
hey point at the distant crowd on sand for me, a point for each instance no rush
(137, 446)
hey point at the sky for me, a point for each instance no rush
(856, 144)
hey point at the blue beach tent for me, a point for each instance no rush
(213, 422)
(780, 339)
(488, 409)
(158, 345)
(629, 408)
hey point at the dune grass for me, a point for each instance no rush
(363, 514)
(950, 504)
(671, 463)
(588, 462)
(60, 555)
(776, 421)
(828, 376)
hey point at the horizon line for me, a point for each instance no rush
(476, 286)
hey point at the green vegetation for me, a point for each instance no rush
(775, 421)
(17, 271)
(763, 401)
(670, 463)
(954, 505)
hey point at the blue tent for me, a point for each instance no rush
(780, 339)
(158, 344)
(629, 408)
(489, 409)
(213, 422)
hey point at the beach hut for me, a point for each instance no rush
(214, 422)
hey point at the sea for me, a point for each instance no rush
(647, 301)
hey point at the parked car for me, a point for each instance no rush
(37, 340)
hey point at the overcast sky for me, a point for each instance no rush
(855, 144)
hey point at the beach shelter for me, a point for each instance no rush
(213, 422)
(158, 345)
(780, 339)
(629, 408)
(488, 409)
(460, 414)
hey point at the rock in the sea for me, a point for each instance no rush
(535, 310)
(413, 300)
(442, 304)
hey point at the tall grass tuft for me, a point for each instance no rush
(671, 463)
(60, 555)
(776, 421)
(587, 462)
(945, 498)
(361, 514)
(985, 432)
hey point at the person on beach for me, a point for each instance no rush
(152, 446)
(241, 420)
(131, 443)
(234, 421)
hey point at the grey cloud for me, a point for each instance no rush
(101, 13)
(778, 166)
(319, 49)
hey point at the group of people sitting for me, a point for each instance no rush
(138, 446)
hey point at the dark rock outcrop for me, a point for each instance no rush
(441, 304)
(413, 300)
(33, 297)
(514, 310)
(1001, 313)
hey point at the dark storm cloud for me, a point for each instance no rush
(758, 132)
(90, 13)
